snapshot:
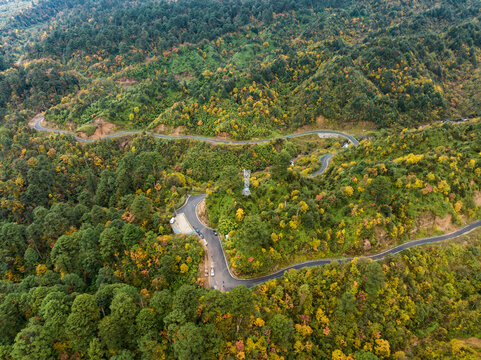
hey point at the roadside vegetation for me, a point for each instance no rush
(389, 189)
(89, 266)
(86, 240)
(247, 70)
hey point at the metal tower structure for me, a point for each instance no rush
(247, 174)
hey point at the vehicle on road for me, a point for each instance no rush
(214, 232)
(205, 242)
(201, 235)
(212, 272)
(196, 230)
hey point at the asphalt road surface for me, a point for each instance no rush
(224, 280)
(38, 126)
(325, 163)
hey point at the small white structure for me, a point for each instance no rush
(172, 220)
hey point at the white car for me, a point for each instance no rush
(212, 272)
(205, 242)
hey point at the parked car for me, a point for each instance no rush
(196, 230)
(215, 233)
(201, 235)
(205, 242)
(212, 272)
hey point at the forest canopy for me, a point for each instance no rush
(90, 267)
(243, 69)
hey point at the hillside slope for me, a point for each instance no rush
(247, 69)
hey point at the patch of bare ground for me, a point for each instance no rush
(169, 130)
(126, 83)
(223, 135)
(184, 76)
(321, 123)
(355, 128)
(364, 125)
(179, 130)
(202, 213)
(33, 120)
(50, 125)
(366, 245)
(430, 222)
(103, 128)
(379, 233)
(472, 342)
(162, 129)
(427, 223)
(383, 241)
(70, 125)
(477, 198)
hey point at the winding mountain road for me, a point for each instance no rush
(324, 164)
(223, 279)
(37, 125)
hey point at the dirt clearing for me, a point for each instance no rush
(103, 128)
(202, 213)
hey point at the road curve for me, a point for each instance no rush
(38, 126)
(325, 163)
(224, 280)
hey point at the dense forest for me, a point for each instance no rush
(390, 189)
(90, 267)
(242, 69)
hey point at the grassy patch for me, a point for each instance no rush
(87, 129)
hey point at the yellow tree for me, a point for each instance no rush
(239, 214)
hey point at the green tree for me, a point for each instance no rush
(81, 326)
(186, 300)
(142, 209)
(282, 330)
(131, 235)
(33, 343)
(96, 350)
(365, 355)
(375, 278)
(379, 190)
(190, 343)
(12, 316)
(253, 234)
(146, 322)
(161, 302)
(110, 244)
(241, 304)
(280, 165)
(117, 330)
(55, 310)
(65, 252)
